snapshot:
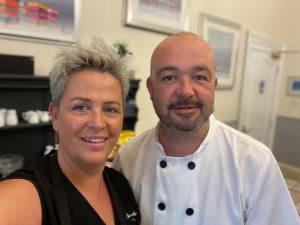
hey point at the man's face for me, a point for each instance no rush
(182, 84)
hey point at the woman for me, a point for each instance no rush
(73, 186)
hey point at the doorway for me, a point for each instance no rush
(260, 88)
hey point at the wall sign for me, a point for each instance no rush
(293, 88)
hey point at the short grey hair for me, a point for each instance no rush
(97, 57)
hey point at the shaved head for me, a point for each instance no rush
(180, 42)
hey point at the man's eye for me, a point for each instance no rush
(168, 78)
(200, 78)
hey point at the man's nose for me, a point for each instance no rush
(186, 87)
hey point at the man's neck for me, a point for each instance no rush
(181, 143)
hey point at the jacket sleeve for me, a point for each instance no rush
(269, 201)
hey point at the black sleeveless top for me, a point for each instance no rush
(63, 204)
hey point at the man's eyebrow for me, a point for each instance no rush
(194, 69)
(202, 68)
(167, 68)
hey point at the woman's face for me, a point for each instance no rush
(89, 118)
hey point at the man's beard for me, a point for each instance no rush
(183, 122)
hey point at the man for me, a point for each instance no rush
(192, 169)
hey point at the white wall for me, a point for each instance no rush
(266, 17)
(290, 106)
(103, 18)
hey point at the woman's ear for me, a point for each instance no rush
(53, 111)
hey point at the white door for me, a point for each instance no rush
(260, 89)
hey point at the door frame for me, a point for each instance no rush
(263, 43)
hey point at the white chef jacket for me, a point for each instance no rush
(231, 179)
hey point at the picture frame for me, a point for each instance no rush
(41, 20)
(223, 36)
(293, 86)
(163, 16)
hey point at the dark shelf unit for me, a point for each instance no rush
(28, 92)
(24, 126)
(23, 93)
(130, 108)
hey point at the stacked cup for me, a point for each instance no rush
(11, 117)
(2, 117)
(36, 116)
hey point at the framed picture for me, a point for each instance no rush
(164, 16)
(223, 36)
(54, 20)
(293, 88)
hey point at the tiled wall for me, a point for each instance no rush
(287, 141)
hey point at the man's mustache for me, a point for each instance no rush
(186, 103)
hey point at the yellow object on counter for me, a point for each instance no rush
(125, 136)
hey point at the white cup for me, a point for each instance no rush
(31, 117)
(43, 116)
(11, 117)
(48, 149)
(2, 117)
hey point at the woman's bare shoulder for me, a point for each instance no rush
(19, 203)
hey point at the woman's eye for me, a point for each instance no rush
(80, 108)
(111, 109)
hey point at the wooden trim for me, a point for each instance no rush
(290, 172)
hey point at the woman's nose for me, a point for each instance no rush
(97, 120)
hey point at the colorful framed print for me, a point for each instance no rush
(53, 20)
(164, 16)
